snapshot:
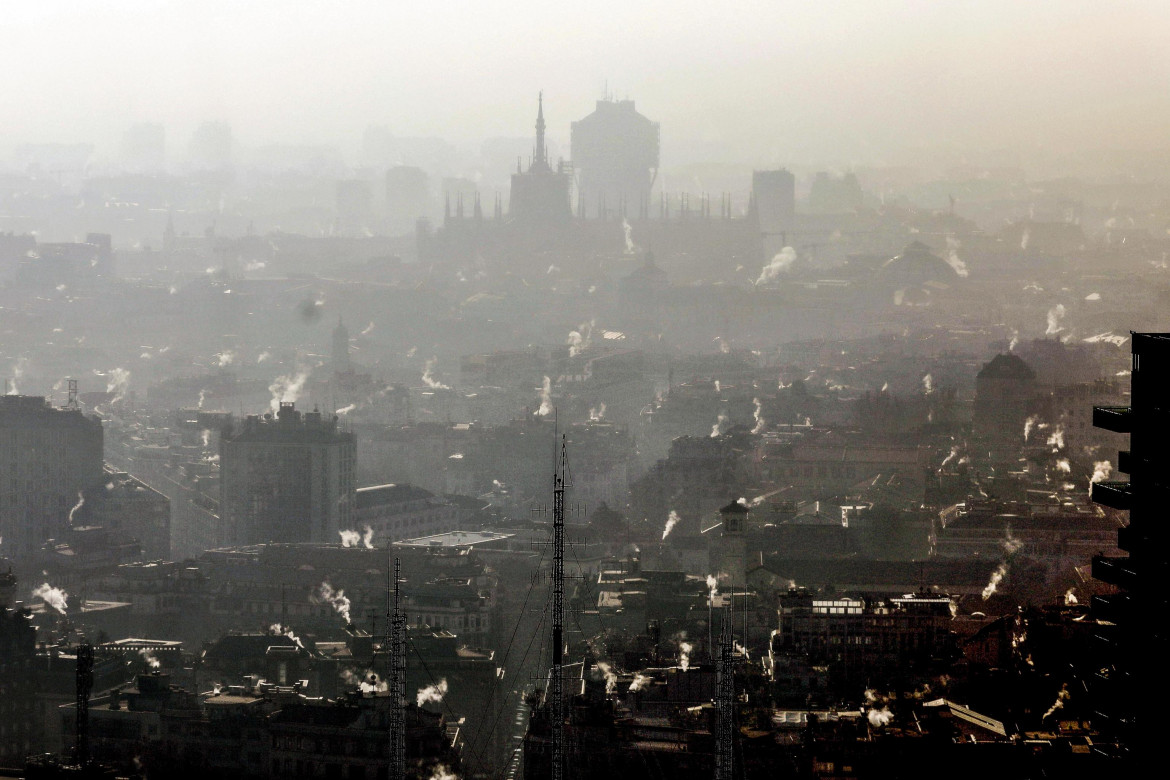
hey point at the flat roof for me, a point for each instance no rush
(455, 539)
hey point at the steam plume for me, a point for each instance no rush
(53, 597)
(325, 594)
(928, 384)
(953, 257)
(80, 503)
(1055, 315)
(1029, 424)
(760, 422)
(630, 247)
(780, 263)
(428, 378)
(671, 521)
(684, 655)
(545, 398)
(117, 382)
(640, 682)
(350, 538)
(720, 426)
(287, 389)
(432, 694)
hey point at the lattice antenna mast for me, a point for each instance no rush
(725, 703)
(84, 687)
(396, 622)
(556, 684)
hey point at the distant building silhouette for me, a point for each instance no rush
(615, 153)
(540, 195)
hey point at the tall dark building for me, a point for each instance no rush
(615, 154)
(48, 457)
(1133, 625)
(286, 478)
(1005, 389)
(540, 195)
(18, 647)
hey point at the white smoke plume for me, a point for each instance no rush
(287, 389)
(580, 339)
(350, 538)
(546, 406)
(1029, 424)
(278, 630)
(780, 263)
(1056, 438)
(442, 772)
(346, 409)
(428, 376)
(1102, 469)
(1055, 315)
(954, 452)
(720, 426)
(80, 503)
(118, 380)
(1070, 598)
(879, 718)
(671, 521)
(611, 678)
(953, 257)
(1063, 466)
(225, 358)
(640, 682)
(432, 694)
(367, 537)
(631, 248)
(993, 583)
(325, 594)
(1061, 698)
(17, 373)
(928, 384)
(262, 357)
(761, 423)
(598, 414)
(1014, 342)
(368, 329)
(205, 437)
(149, 658)
(53, 597)
(684, 655)
(718, 386)
(712, 588)
(1024, 238)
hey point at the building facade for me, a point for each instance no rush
(286, 478)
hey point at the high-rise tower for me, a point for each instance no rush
(1132, 622)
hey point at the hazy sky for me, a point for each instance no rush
(767, 81)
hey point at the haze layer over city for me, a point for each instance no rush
(488, 390)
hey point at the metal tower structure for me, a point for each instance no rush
(556, 683)
(396, 625)
(725, 703)
(84, 687)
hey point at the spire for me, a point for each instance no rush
(541, 156)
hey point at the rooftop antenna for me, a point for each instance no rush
(84, 686)
(725, 703)
(557, 694)
(396, 623)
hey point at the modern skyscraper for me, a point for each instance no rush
(288, 478)
(1132, 622)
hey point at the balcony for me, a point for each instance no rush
(1115, 571)
(1112, 494)
(1112, 418)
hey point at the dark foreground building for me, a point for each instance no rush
(1131, 673)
